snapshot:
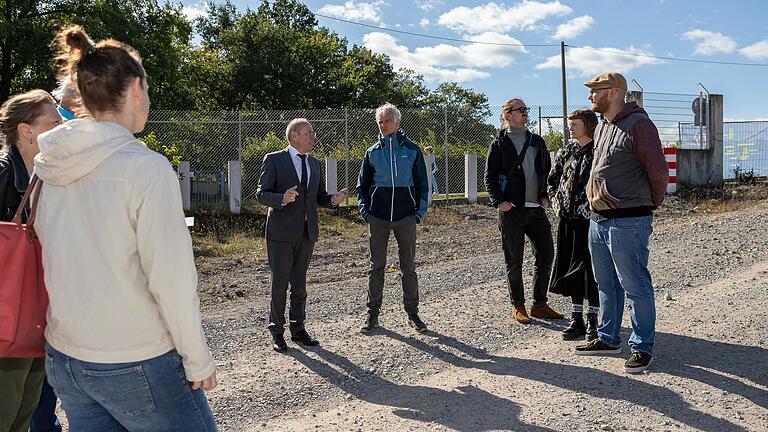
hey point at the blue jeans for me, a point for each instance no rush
(149, 395)
(619, 249)
(44, 419)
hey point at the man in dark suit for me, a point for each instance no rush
(292, 186)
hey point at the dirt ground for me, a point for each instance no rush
(478, 370)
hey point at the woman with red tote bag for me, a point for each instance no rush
(22, 368)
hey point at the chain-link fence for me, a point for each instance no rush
(208, 140)
(745, 149)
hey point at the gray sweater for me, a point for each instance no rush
(517, 135)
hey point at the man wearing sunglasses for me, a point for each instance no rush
(516, 172)
(627, 182)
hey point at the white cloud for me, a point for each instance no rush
(708, 43)
(524, 16)
(194, 11)
(424, 22)
(756, 51)
(354, 11)
(447, 62)
(574, 27)
(428, 5)
(588, 63)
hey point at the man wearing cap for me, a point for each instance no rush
(627, 182)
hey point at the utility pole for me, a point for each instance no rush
(565, 97)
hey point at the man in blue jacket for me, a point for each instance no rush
(393, 193)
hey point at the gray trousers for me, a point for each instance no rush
(378, 239)
(288, 264)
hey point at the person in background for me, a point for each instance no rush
(68, 97)
(567, 186)
(432, 162)
(125, 345)
(23, 118)
(516, 170)
(44, 419)
(393, 195)
(628, 181)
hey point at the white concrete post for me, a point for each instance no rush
(331, 175)
(470, 178)
(186, 185)
(235, 185)
(430, 177)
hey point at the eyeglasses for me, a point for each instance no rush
(310, 133)
(594, 91)
(523, 110)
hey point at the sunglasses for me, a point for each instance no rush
(523, 110)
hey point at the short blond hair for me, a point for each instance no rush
(295, 126)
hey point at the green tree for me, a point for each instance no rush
(553, 138)
(468, 115)
(160, 32)
(170, 151)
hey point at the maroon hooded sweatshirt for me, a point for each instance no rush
(629, 174)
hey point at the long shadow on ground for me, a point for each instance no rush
(683, 356)
(456, 409)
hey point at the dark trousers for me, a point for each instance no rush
(378, 239)
(515, 225)
(44, 419)
(288, 263)
(20, 382)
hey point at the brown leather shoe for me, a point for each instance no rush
(545, 312)
(521, 315)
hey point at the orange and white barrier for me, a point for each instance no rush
(670, 154)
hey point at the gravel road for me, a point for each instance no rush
(478, 370)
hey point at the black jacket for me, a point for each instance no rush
(502, 157)
(14, 179)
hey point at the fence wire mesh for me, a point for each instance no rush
(745, 149)
(208, 140)
(679, 117)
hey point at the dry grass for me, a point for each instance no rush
(232, 244)
(731, 196)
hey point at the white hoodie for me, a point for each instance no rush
(117, 254)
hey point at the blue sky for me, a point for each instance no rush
(725, 31)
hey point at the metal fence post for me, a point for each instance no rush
(445, 121)
(346, 153)
(539, 120)
(239, 173)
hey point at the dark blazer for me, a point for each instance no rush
(286, 223)
(14, 179)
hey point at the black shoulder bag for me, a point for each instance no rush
(513, 186)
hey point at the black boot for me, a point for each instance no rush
(576, 329)
(591, 326)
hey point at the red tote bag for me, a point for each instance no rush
(23, 299)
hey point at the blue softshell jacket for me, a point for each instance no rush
(393, 180)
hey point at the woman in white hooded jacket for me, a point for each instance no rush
(125, 346)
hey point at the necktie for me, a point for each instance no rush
(303, 172)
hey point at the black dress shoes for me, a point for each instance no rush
(304, 338)
(278, 343)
